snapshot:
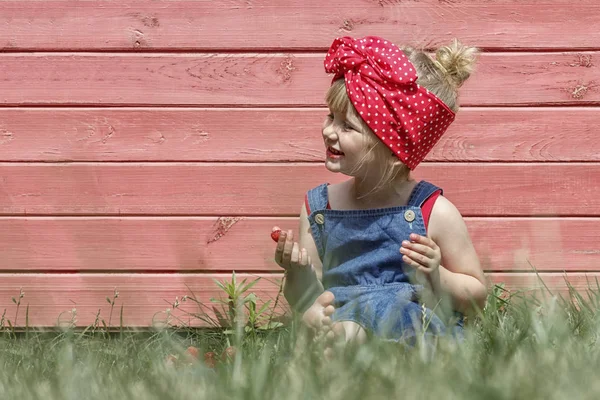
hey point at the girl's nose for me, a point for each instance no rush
(329, 132)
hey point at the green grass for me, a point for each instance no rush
(521, 349)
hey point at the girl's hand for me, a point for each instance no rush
(288, 254)
(422, 254)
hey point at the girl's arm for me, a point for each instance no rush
(302, 284)
(447, 259)
(460, 272)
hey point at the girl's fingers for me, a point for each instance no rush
(414, 258)
(419, 248)
(295, 254)
(424, 240)
(287, 248)
(303, 258)
(279, 248)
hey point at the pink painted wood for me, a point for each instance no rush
(147, 299)
(204, 244)
(66, 299)
(281, 25)
(278, 135)
(165, 116)
(269, 79)
(223, 189)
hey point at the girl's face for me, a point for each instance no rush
(347, 144)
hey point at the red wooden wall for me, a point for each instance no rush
(149, 146)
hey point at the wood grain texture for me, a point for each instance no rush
(271, 79)
(279, 135)
(222, 189)
(205, 244)
(52, 299)
(202, 25)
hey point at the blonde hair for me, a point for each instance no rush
(452, 66)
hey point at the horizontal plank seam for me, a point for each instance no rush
(565, 104)
(279, 162)
(286, 215)
(323, 108)
(256, 273)
(595, 219)
(541, 271)
(292, 163)
(283, 51)
(138, 272)
(275, 215)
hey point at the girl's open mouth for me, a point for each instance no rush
(333, 153)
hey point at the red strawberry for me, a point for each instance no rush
(275, 235)
(193, 352)
(229, 354)
(210, 359)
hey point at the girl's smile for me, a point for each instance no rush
(334, 154)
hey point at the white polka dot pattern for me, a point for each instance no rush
(381, 83)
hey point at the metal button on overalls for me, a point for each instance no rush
(319, 219)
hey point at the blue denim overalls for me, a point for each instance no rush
(363, 268)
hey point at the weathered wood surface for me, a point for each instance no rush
(545, 134)
(203, 244)
(76, 299)
(223, 189)
(272, 79)
(283, 25)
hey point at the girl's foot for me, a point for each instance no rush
(342, 333)
(321, 310)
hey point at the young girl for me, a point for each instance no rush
(380, 253)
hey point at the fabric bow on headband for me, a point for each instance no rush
(381, 83)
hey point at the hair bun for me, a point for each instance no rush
(458, 61)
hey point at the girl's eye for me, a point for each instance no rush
(347, 127)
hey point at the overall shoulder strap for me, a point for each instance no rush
(422, 192)
(316, 198)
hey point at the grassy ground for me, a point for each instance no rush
(514, 350)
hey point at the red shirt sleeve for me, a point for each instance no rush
(428, 206)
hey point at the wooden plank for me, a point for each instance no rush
(146, 297)
(478, 189)
(558, 284)
(206, 244)
(268, 79)
(278, 135)
(199, 25)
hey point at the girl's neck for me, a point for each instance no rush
(396, 193)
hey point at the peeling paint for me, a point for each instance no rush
(91, 129)
(582, 60)
(161, 137)
(109, 134)
(346, 26)
(198, 135)
(221, 227)
(286, 68)
(579, 91)
(138, 38)
(585, 251)
(383, 3)
(151, 22)
(6, 136)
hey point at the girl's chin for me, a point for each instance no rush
(335, 167)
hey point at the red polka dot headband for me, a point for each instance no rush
(381, 83)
